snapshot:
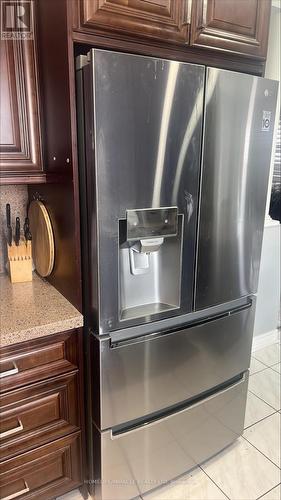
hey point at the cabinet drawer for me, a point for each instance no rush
(38, 414)
(44, 473)
(37, 360)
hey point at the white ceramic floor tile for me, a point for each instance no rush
(72, 495)
(256, 366)
(265, 436)
(269, 355)
(266, 385)
(274, 494)
(193, 486)
(256, 410)
(242, 472)
(277, 367)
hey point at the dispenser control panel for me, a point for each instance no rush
(152, 223)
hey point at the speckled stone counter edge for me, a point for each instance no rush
(10, 338)
(21, 321)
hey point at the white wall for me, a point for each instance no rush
(273, 68)
(268, 301)
(273, 54)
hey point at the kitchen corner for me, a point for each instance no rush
(32, 309)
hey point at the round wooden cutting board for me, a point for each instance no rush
(43, 249)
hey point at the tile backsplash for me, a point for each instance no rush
(17, 196)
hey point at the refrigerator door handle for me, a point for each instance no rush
(120, 433)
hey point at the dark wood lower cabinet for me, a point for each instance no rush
(41, 417)
(46, 472)
(38, 414)
(28, 362)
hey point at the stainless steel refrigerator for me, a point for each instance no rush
(174, 163)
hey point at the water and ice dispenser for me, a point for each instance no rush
(150, 246)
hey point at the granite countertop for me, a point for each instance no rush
(32, 310)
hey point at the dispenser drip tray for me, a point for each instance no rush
(146, 310)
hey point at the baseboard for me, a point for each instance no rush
(265, 340)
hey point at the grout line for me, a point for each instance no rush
(263, 363)
(272, 366)
(256, 359)
(266, 368)
(214, 482)
(268, 491)
(275, 409)
(259, 371)
(261, 419)
(262, 454)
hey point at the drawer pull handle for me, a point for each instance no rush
(12, 431)
(18, 493)
(120, 434)
(13, 371)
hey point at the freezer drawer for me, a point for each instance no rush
(157, 371)
(143, 458)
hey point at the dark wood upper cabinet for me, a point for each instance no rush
(20, 143)
(239, 26)
(165, 20)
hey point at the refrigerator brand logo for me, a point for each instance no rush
(17, 20)
(266, 117)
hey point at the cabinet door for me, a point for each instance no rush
(239, 26)
(20, 148)
(161, 19)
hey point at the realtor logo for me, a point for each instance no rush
(17, 20)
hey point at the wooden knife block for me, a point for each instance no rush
(20, 261)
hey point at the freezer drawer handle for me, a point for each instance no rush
(18, 493)
(117, 344)
(121, 433)
(12, 371)
(16, 429)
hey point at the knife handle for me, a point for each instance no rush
(8, 214)
(17, 235)
(10, 236)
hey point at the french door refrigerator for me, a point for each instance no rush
(174, 161)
